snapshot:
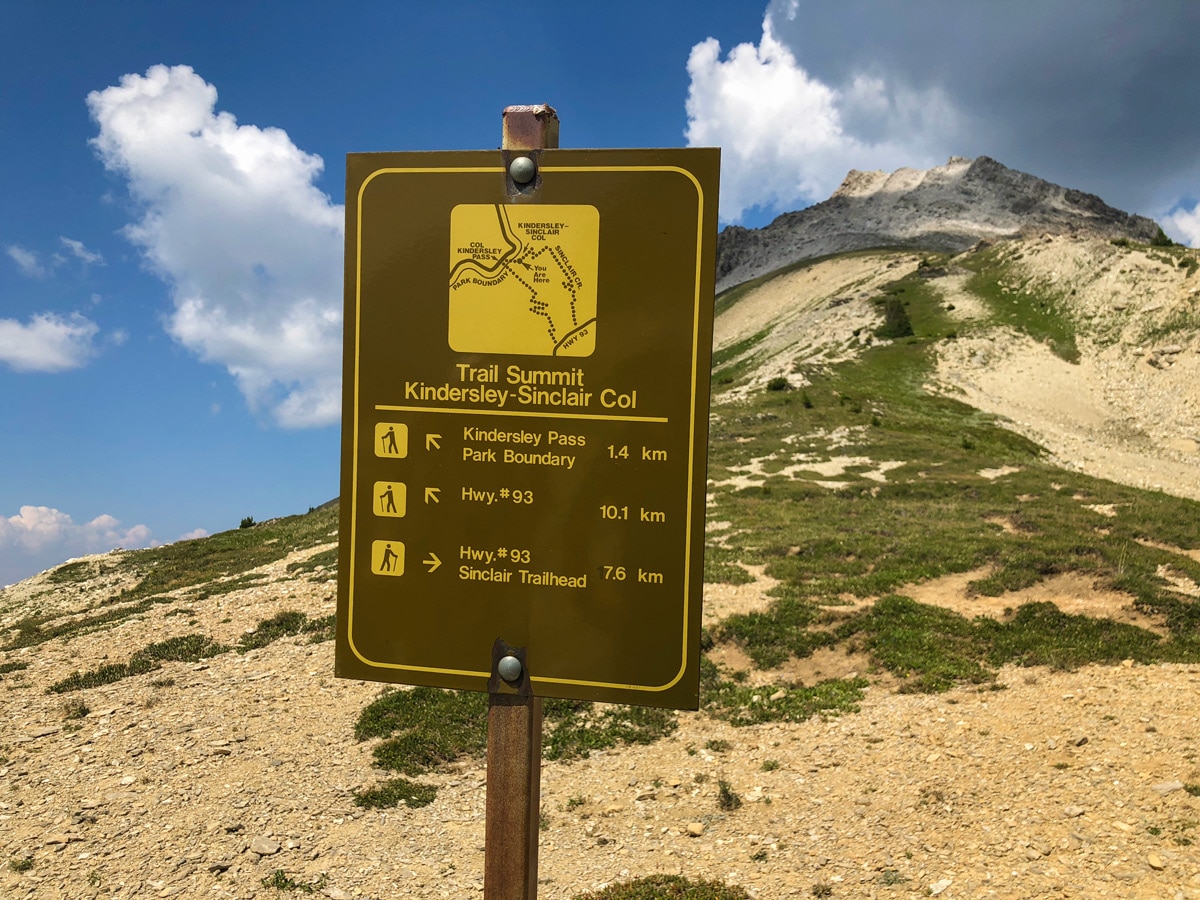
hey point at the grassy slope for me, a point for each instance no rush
(185, 571)
(935, 515)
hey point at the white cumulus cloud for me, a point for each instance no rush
(194, 534)
(26, 260)
(788, 138)
(1183, 225)
(232, 221)
(47, 342)
(39, 537)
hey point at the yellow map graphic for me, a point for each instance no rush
(523, 279)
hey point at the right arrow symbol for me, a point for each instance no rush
(431, 442)
(433, 562)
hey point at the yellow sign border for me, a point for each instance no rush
(499, 170)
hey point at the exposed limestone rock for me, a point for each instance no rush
(946, 208)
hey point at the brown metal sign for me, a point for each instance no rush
(525, 420)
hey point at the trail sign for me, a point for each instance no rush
(525, 419)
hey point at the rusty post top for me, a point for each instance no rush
(530, 128)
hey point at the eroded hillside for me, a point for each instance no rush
(1089, 348)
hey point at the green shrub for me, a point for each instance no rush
(74, 709)
(184, 648)
(727, 798)
(667, 887)
(896, 323)
(778, 383)
(395, 791)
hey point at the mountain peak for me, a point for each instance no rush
(944, 208)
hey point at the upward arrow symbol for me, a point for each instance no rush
(431, 442)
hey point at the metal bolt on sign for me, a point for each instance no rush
(510, 669)
(522, 169)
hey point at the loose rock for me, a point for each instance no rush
(265, 846)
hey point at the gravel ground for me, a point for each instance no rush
(1061, 784)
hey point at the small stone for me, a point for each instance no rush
(1166, 787)
(938, 886)
(334, 893)
(1080, 741)
(646, 795)
(219, 865)
(1074, 812)
(778, 695)
(1155, 862)
(127, 780)
(264, 846)
(44, 732)
(1051, 744)
(695, 829)
(59, 839)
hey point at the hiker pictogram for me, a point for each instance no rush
(390, 498)
(391, 439)
(387, 557)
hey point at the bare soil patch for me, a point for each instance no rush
(1129, 410)
(1071, 592)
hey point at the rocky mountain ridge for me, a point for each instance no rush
(947, 208)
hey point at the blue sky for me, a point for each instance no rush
(170, 228)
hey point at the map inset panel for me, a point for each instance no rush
(523, 279)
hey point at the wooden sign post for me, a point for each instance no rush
(514, 751)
